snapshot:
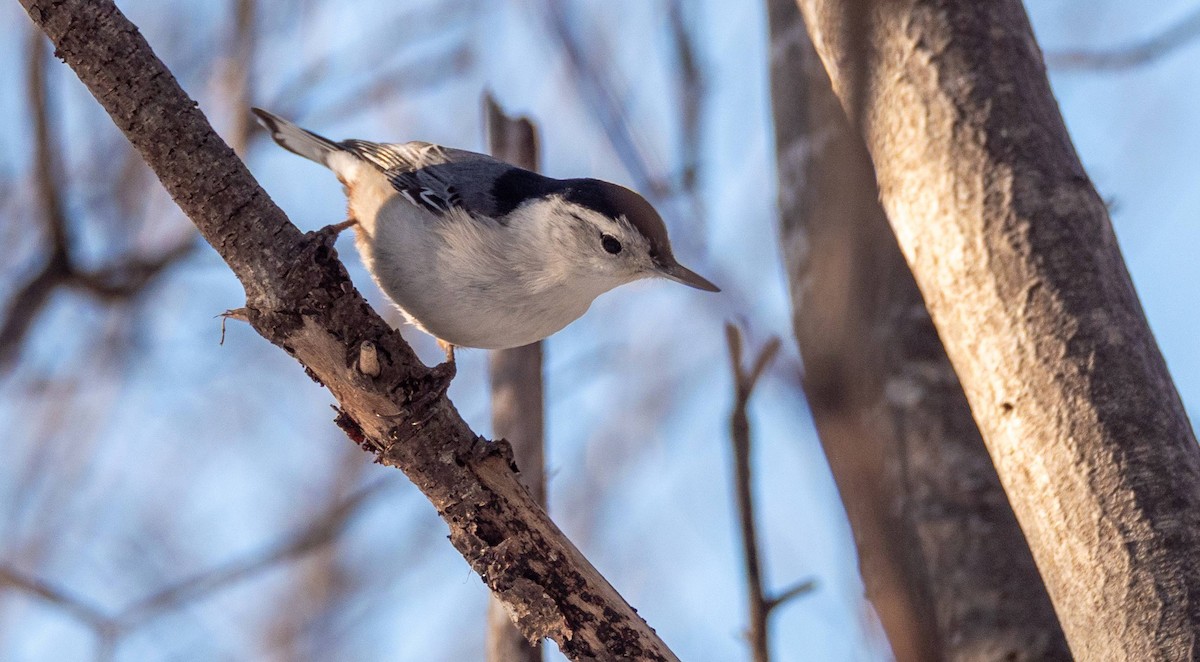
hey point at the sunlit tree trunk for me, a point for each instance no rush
(1016, 259)
(943, 560)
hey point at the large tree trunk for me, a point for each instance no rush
(943, 560)
(299, 297)
(1016, 258)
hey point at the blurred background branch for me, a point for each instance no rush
(123, 277)
(1183, 32)
(518, 408)
(111, 628)
(760, 602)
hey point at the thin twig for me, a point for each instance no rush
(130, 275)
(403, 80)
(197, 587)
(72, 604)
(110, 628)
(600, 98)
(124, 277)
(795, 590)
(29, 299)
(760, 604)
(691, 97)
(1182, 33)
(297, 93)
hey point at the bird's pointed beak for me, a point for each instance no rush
(681, 274)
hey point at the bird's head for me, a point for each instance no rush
(614, 235)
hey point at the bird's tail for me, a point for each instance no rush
(297, 140)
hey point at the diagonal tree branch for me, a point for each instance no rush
(299, 297)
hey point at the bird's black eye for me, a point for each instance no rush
(610, 243)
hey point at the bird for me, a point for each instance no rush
(480, 253)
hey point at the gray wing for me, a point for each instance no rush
(435, 178)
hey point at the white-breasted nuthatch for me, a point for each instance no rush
(481, 253)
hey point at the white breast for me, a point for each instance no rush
(470, 282)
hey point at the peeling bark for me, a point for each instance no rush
(942, 557)
(1015, 255)
(298, 297)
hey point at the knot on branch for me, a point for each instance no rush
(534, 613)
(484, 449)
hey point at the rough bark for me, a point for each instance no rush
(517, 403)
(1015, 255)
(942, 557)
(298, 297)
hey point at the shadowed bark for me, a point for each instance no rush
(1016, 259)
(299, 297)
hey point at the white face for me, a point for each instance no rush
(565, 241)
(590, 245)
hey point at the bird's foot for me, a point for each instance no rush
(444, 372)
(331, 232)
(448, 349)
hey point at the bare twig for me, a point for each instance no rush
(72, 604)
(124, 277)
(602, 98)
(110, 628)
(300, 298)
(517, 400)
(307, 618)
(28, 301)
(128, 276)
(402, 80)
(1139, 53)
(691, 97)
(193, 589)
(760, 603)
(795, 590)
(390, 79)
(240, 73)
(599, 97)
(47, 169)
